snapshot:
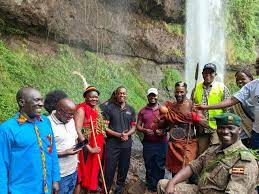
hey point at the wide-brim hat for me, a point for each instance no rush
(90, 89)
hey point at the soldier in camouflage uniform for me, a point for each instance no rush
(226, 168)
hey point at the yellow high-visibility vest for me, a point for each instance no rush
(215, 97)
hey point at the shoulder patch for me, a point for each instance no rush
(246, 156)
(237, 170)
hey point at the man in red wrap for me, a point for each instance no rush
(88, 168)
(178, 117)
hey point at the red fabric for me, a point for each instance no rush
(179, 149)
(174, 116)
(195, 117)
(88, 170)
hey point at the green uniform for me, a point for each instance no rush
(235, 172)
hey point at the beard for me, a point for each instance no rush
(179, 98)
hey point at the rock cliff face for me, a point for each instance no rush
(134, 28)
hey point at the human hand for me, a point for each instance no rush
(149, 132)
(160, 132)
(170, 189)
(124, 136)
(71, 151)
(55, 188)
(199, 107)
(94, 150)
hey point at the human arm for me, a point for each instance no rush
(140, 125)
(127, 133)
(67, 152)
(226, 95)
(79, 121)
(5, 151)
(55, 171)
(225, 103)
(181, 176)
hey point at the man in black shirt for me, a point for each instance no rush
(122, 121)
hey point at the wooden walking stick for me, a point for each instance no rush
(189, 128)
(98, 156)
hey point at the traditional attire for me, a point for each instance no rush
(182, 145)
(28, 156)
(88, 170)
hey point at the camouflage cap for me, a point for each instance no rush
(228, 119)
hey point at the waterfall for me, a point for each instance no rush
(204, 38)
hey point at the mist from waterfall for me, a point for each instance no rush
(205, 42)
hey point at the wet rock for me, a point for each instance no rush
(111, 26)
(168, 10)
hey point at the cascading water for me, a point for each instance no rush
(204, 38)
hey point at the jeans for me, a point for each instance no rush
(154, 158)
(255, 140)
(67, 184)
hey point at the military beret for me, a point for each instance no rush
(228, 119)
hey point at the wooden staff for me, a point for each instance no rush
(98, 156)
(189, 128)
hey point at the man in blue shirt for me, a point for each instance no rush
(28, 156)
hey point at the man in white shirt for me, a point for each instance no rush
(249, 92)
(65, 134)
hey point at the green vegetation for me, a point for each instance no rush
(171, 76)
(55, 72)
(242, 30)
(9, 29)
(176, 29)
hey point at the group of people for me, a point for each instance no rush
(208, 141)
(201, 141)
(40, 154)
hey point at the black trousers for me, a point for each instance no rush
(114, 157)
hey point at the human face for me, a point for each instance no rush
(31, 103)
(65, 113)
(180, 94)
(228, 134)
(208, 76)
(121, 95)
(92, 98)
(152, 99)
(242, 79)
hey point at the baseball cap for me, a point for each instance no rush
(210, 66)
(152, 91)
(227, 119)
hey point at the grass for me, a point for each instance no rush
(46, 73)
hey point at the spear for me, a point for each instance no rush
(192, 96)
(196, 79)
(98, 156)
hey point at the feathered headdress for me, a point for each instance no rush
(83, 79)
(87, 87)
